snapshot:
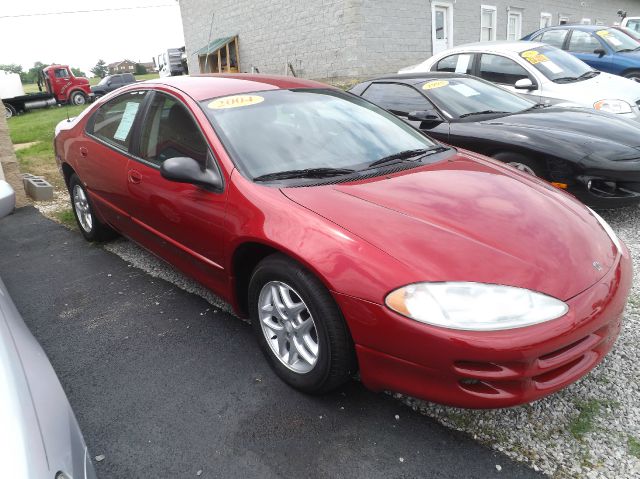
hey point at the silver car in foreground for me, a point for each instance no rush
(39, 435)
(541, 73)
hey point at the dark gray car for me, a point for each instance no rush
(112, 82)
(39, 434)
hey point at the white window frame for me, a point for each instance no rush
(546, 15)
(494, 23)
(563, 18)
(585, 21)
(516, 12)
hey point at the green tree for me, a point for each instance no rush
(140, 69)
(32, 73)
(100, 70)
(77, 72)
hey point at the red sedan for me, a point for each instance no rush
(352, 240)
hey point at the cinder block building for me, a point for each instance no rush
(355, 38)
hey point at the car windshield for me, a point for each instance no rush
(617, 40)
(467, 97)
(557, 65)
(104, 81)
(276, 131)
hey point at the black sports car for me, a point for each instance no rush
(593, 155)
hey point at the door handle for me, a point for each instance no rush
(83, 152)
(134, 177)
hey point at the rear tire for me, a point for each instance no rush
(299, 327)
(9, 111)
(77, 98)
(90, 226)
(521, 162)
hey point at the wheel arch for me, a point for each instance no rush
(629, 70)
(67, 171)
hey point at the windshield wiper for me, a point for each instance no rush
(305, 173)
(401, 155)
(484, 112)
(565, 79)
(589, 74)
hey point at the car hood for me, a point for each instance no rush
(466, 219)
(602, 87)
(582, 131)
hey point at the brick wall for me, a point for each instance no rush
(355, 38)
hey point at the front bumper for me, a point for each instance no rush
(488, 369)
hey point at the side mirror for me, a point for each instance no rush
(7, 199)
(430, 116)
(524, 84)
(108, 82)
(600, 52)
(183, 169)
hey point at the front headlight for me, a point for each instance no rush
(474, 306)
(612, 106)
(608, 229)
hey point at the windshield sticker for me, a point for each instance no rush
(127, 121)
(465, 90)
(614, 41)
(533, 57)
(435, 84)
(552, 67)
(235, 101)
(463, 63)
(603, 33)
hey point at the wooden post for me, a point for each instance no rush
(219, 62)
(235, 42)
(228, 59)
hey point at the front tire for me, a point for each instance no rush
(78, 98)
(633, 75)
(521, 162)
(299, 327)
(90, 226)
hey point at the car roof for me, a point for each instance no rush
(499, 46)
(205, 86)
(418, 77)
(578, 26)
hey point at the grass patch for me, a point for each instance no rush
(39, 126)
(634, 446)
(66, 218)
(584, 422)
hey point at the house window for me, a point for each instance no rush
(563, 19)
(514, 25)
(545, 19)
(585, 21)
(488, 18)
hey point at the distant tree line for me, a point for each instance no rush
(31, 75)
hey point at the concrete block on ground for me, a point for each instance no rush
(26, 176)
(39, 189)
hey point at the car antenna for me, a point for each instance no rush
(67, 110)
(206, 59)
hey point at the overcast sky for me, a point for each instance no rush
(80, 39)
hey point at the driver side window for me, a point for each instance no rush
(170, 131)
(398, 99)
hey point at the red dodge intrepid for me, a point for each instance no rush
(352, 240)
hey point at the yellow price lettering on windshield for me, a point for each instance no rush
(435, 84)
(603, 33)
(235, 101)
(534, 57)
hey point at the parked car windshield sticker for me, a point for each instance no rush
(533, 57)
(435, 84)
(127, 121)
(465, 90)
(463, 63)
(235, 101)
(603, 33)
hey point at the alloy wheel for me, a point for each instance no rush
(83, 210)
(288, 326)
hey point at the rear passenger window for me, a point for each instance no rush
(497, 69)
(555, 38)
(401, 99)
(455, 63)
(113, 122)
(170, 132)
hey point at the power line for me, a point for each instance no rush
(84, 11)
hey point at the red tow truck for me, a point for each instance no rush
(60, 86)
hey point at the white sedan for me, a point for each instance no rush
(541, 72)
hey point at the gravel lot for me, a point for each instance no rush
(589, 430)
